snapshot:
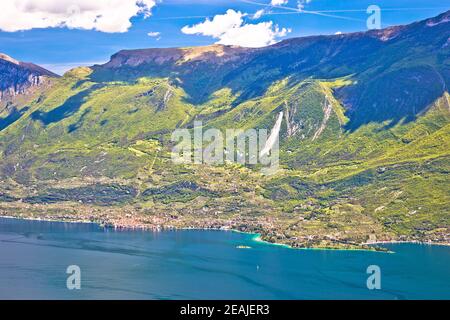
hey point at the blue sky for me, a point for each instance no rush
(43, 33)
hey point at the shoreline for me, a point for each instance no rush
(410, 242)
(256, 237)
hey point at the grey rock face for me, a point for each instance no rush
(18, 77)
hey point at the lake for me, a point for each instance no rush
(34, 256)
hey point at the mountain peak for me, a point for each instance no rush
(18, 77)
(442, 18)
(8, 58)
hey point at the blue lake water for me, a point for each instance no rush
(34, 256)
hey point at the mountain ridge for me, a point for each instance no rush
(328, 57)
(384, 34)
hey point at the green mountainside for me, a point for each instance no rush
(364, 141)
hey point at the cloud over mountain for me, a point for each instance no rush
(230, 29)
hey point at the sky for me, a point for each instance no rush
(63, 34)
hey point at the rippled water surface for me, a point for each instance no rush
(34, 256)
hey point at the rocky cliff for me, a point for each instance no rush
(18, 77)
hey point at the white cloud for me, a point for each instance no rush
(301, 3)
(230, 29)
(258, 14)
(100, 15)
(338, 32)
(253, 35)
(155, 34)
(219, 25)
(278, 2)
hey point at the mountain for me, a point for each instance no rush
(19, 77)
(364, 139)
(376, 58)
